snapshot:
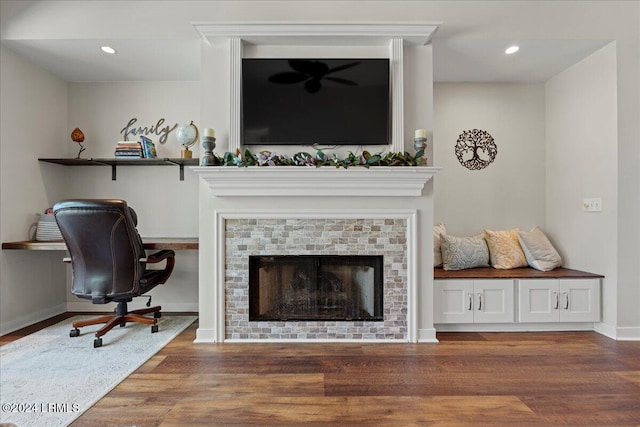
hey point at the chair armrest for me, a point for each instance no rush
(166, 254)
(159, 256)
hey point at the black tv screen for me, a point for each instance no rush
(315, 101)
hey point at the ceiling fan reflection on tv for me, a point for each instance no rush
(311, 72)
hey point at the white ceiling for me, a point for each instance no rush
(166, 53)
(484, 60)
(83, 61)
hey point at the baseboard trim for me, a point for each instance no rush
(515, 327)
(607, 330)
(628, 333)
(31, 318)
(427, 335)
(167, 307)
(622, 333)
(205, 336)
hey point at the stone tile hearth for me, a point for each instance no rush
(319, 236)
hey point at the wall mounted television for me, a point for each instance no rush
(316, 101)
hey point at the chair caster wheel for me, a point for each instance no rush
(157, 314)
(154, 329)
(74, 332)
(97, 343)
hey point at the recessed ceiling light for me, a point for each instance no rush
(108, 49)
(512, 49)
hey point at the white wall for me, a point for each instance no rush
(582, 156)
(636, 273)
(33, 114)
(508, 193)
(530, 20)
(166, 206)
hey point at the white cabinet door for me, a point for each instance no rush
(559, 300)
(579, 300)
(473, 301)
(538, 300)
(453, 302)
(494, 301)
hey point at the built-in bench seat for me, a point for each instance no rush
(490, 299)
(513, 273)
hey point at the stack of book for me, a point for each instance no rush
(148, 148)
(129, 149)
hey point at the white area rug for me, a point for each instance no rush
(49, 379)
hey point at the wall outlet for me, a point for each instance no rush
(592, 205)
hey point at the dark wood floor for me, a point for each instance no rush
(479, 379)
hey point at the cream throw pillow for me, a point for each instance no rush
(504, 249)
(438, 231)
(538, 250)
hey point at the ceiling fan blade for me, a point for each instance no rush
(315, 69)
(342, 81)
(302, 65)
(312, 86)
(344, 67)
(288, 78)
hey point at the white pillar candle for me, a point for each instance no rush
(208, 132)
(421, 133)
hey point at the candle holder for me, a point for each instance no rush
(419, 144)
(207, 159)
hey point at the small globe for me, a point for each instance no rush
(187, 135)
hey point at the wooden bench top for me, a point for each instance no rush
(514, 273)
(155, 243)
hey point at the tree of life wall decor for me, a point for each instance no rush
(476, 149)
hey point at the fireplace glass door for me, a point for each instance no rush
(309, 287)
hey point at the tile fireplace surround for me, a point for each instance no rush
(384, 211)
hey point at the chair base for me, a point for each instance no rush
(121, 317)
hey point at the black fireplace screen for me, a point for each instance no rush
(310, 287)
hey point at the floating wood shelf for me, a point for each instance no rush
(113, 162)
(157, 243)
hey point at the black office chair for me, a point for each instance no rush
(109, 261)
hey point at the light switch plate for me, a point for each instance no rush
(592, 204)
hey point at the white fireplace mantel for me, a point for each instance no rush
(256, 193)
(309, 193)
(380, 181)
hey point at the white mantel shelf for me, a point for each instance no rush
(376, 181)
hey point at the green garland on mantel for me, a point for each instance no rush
(366, 159)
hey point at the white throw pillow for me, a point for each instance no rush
(538, 250)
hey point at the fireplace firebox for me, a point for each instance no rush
(316, 287)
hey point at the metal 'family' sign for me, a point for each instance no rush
(158, 129)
